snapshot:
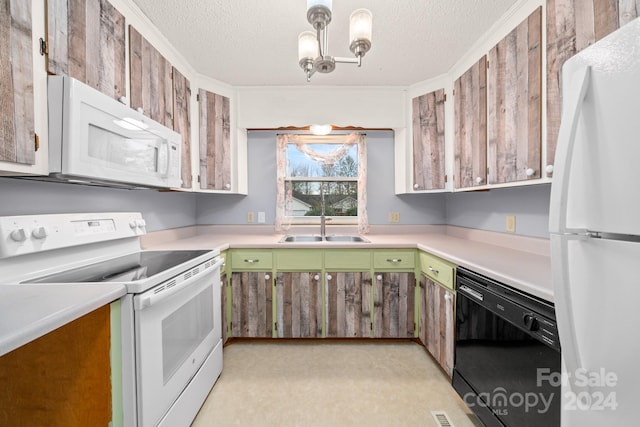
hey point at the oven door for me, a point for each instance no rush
(177, 325)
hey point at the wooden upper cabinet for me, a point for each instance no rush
(470, 118)
(151, 80)
(17, 134)
(573, 25)
(182, 122)
(428, 141)
(215, 141)
(514, 104)
(86, 41)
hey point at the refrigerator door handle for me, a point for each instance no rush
(562, 290)
(566, 142)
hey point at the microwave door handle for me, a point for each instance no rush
(164, 169)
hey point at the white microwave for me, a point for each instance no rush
(94, 139)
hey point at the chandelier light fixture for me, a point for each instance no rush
(313, 52)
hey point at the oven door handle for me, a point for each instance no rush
(159, 293)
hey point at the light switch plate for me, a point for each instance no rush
(250, 217)
(511, 223)
(261, 217)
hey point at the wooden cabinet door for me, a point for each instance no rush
(470, 122)
(62, 378)
(86, 41)
(182, 122)
(394, 305)
(573, 25)
(348, 304)
(151, 80)
(17, 133)
(215, 141)
(514, 90)
(428, 141)
(437, 322)
(299, 304)
(251, 302)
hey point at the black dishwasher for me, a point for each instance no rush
(507, 354)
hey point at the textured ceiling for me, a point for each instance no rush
(254, 42)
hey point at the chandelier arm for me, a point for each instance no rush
(320, 50)
(348, 60)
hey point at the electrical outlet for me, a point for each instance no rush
(394, 216)
(250, 217)
(261, 218)
(511, 223)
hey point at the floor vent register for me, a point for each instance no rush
(442, 420)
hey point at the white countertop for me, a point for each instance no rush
(28, 312)
(520, 262)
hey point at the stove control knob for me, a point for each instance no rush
(133, 224)
(141, 223)
(39, 232)
(530, 322)
(18, 235)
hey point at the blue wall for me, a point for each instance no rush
(161, 210)
(414, 209)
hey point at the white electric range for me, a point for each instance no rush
(170, 317)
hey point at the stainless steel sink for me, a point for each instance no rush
(298, 238)
(339, 238)
(301, 238)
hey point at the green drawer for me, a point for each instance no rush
(438, 269)
(249, 259)
(298, 259)
(347, 259)
(397, 258)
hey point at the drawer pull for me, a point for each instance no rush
(251, 261)
(267, 277)
(433, 270)
(379, 277)
(396, 260)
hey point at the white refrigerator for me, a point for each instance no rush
(594, 221)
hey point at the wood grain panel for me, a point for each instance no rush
(299, 304)
(573, 25)
(394, 305)
(428, 141)
(251, 300)
(438, 322)
(60, 379)
(514, 103)
(87, 42)
(223, 302)
(215, 141)
(151, 80)
(470, 121)
(16, 91)
(182, 122)
(349, 304)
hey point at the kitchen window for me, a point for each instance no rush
(317, 173)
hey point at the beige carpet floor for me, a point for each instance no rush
(330, 384)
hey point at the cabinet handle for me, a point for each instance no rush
(549, 169)
(448, 296)
(267, 277)
(530, 172)
(433, 270)
(416, 186)
(251, 261)
(316, 277)
(479, 179)
(396, 260)
(227, 186)
(329, 277)
(379, 277)
(140, 110)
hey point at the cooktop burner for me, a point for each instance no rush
(128, 268)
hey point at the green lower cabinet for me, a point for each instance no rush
(252, 304)
(223, 300)
(394, 305)
(299, 304)
(348, 304)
